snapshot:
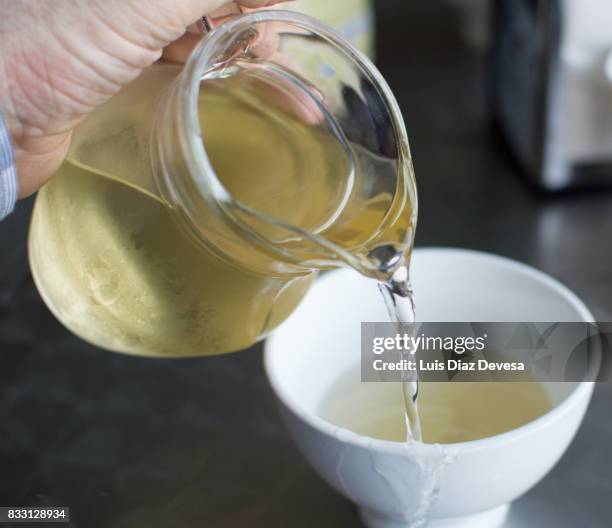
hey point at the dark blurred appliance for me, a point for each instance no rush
(553, 88)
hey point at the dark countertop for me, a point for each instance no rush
(133, 443)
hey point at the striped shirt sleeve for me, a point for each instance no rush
(9, 188)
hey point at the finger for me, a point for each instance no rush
(260, 3)
(187, 12)
(155, 23)
(178, 52)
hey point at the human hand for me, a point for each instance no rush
(60, 59)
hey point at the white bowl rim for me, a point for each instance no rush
(582, 390)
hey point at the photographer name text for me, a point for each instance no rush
(453, 365)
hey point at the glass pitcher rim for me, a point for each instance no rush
(207, 182)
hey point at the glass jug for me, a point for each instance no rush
(195, 207)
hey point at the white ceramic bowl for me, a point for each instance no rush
(322, 339)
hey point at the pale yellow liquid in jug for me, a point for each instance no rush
(116, 267)
(450, 412)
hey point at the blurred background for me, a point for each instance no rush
(504, 102)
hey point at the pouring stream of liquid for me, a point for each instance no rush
(399, 300)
